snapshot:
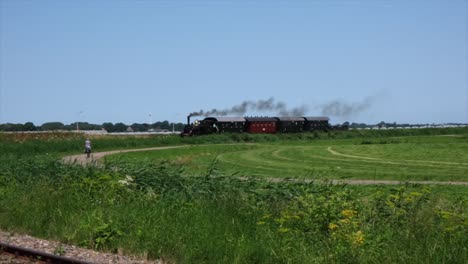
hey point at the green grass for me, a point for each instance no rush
(143, 203)
(400, 158)
(216, 219)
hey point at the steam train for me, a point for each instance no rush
(212, 125)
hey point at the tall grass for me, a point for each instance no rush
(150, 210)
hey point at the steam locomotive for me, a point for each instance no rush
(212, 125)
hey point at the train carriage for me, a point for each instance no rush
(261, 124)
(316, 123)
(227, 124)
(291, 124)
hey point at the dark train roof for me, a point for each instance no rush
(288, 118)
(317, 118)
(226, 119)
(266, 119)
(261, 119)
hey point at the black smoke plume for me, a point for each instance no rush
(334, 108)
(343, 109)
(241, 109)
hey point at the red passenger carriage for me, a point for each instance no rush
(261, 124)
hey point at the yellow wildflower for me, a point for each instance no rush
(332, 226)
(344, 221)
(358, 238)
(348, 213)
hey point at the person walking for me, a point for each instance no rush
(88, 147)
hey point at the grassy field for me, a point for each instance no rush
(440, 158)
(144, 203)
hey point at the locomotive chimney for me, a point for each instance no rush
(188, 120)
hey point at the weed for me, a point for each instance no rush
(59, 250)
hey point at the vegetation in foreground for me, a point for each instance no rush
(148, 208)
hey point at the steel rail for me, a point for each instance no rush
(39, 255)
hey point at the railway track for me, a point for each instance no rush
(16, 254)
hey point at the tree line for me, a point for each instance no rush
(158, 126)
(108, 126)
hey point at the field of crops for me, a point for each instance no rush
(146, 204)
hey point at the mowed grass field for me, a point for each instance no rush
(437, 158)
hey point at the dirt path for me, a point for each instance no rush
(370, 182)
(95, 157)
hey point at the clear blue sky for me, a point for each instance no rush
(118, 61)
